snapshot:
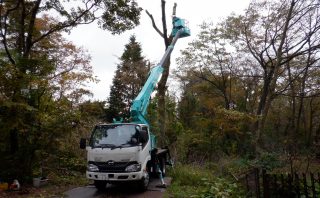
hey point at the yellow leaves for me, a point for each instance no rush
(231, 121)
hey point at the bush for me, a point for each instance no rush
(219, 187)
(199, 182)
(269, 161)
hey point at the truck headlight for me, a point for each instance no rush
(92, 168)
(133, 168)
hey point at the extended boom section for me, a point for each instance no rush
(141, 102)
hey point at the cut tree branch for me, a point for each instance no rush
(174, 9)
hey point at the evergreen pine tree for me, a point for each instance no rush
(128, 80)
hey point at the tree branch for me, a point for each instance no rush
(31, 28)
(174, 9)
(154, 24)
(4, 30)
(66, 24)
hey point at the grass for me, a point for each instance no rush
(57, 185)
(217, 179)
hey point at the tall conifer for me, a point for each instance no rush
(128, 80)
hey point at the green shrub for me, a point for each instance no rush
(199, 182)
(269, 161)
(219, 187)
(189, 174)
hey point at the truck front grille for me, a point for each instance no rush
(112, 167)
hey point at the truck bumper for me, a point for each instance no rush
(126, 176)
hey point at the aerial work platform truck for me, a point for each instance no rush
(127, 152)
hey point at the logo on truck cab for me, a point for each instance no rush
(110, 163)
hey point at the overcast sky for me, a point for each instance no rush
(105, 48)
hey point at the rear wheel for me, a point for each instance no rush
(100, 185)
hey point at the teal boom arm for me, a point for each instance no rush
(141, 102)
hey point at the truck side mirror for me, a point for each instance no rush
(143, 136)
(83, 142)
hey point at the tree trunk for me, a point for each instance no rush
(291, 124)
(259, 125)
(310, 128)
(302, 93)
(162, 88)
(270, 79)
(166, 68)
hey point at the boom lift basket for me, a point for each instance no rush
(180, 24)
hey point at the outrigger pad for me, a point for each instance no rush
(161, 186)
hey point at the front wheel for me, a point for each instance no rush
(100, 185)
(144, 182)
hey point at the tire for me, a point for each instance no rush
(144, 182)
(100, 185)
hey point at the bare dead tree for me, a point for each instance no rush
(162, 88)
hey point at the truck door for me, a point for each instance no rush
(145, 153)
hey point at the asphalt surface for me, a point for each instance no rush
(119, 191)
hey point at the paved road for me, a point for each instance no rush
(120, 191)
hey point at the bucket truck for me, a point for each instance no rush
(123, 152)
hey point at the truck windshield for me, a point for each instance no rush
(114, 136)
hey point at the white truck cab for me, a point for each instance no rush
(118, 153)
